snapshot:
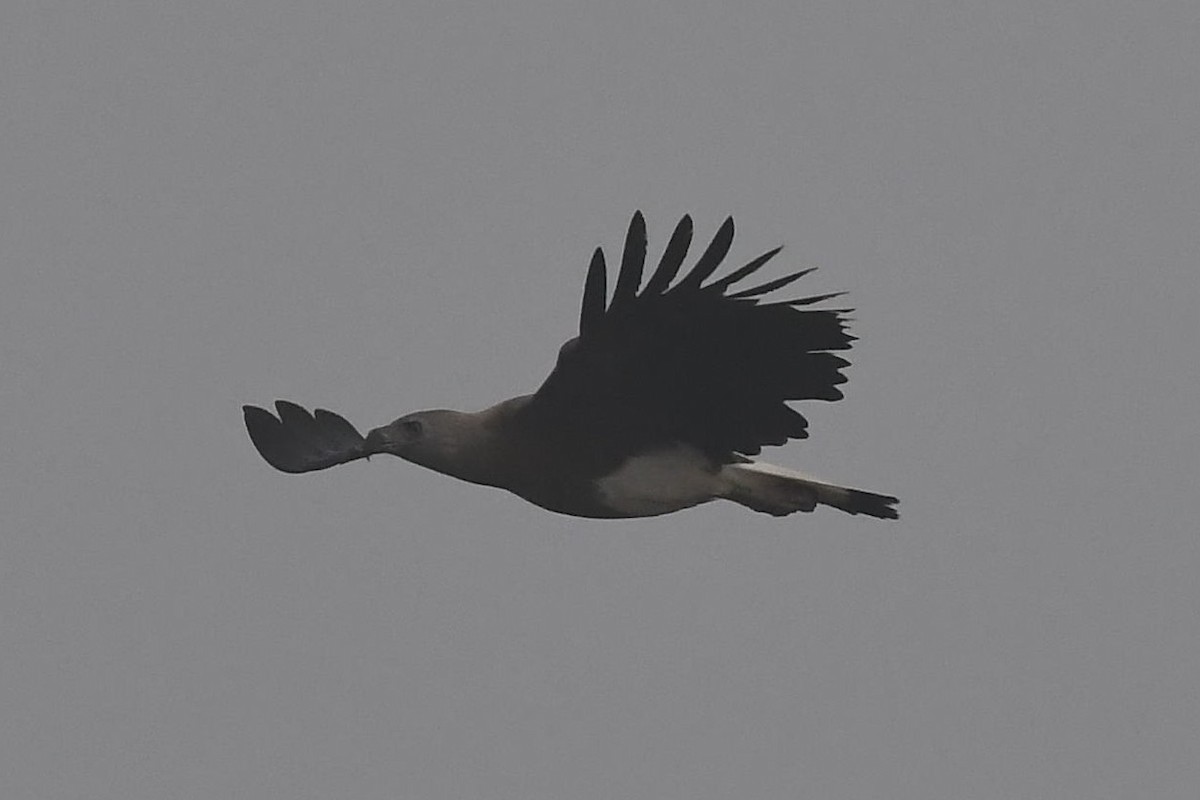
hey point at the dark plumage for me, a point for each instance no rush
(655, 406)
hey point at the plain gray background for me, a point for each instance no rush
(380, 207)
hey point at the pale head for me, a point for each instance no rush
(442, 440)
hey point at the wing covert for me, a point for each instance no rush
(691, 362)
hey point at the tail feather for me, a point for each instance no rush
(779, 491)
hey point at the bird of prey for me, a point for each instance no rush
(657, 405)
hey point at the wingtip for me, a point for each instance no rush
(255, 417)
(633, 262)
(595, 293)
(712, 257)
(672, 258)
(726, 230)
(284, 406)
(299, 441)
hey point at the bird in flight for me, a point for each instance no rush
(657, 405)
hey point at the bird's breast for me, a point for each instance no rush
(659, 481)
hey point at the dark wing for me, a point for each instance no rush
(298, 441)
(691, 362)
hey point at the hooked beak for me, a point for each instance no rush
(376, 442)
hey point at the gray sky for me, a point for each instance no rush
(380, 207)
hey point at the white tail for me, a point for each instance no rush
(779, 491)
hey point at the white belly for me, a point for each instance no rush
(659, 482)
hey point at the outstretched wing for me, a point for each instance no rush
(694, 362)
(298, 441)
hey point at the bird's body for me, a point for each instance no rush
(656, 406)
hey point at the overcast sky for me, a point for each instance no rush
(379, 207)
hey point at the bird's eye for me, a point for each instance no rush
(412, 428)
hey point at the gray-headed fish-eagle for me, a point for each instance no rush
(657, 405)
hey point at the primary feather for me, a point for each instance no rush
(692, 362)
(655, 406)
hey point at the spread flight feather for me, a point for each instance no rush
(678, 380)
